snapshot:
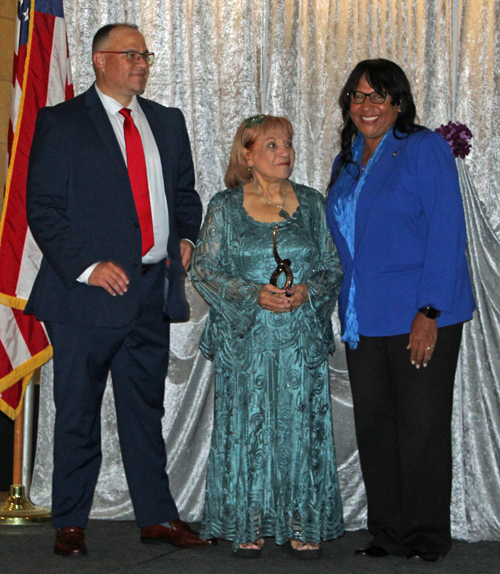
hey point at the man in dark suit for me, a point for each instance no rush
(112, 206)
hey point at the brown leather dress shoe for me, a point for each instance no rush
(179, 534)
(70, 541)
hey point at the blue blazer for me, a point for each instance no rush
(410, 239)
(81, 210)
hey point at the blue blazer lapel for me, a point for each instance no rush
(102, 124)
(375, 182)
(176, 305)
(157, 126)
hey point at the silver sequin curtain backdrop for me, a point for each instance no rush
(221, 61)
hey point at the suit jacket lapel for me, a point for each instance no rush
(375, 182)
(103, 126)
(158, 128)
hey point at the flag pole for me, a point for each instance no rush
(18, 448)
(18, 509)
(29, 396)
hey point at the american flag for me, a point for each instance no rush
(42, 77)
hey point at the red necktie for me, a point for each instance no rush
(136, 163)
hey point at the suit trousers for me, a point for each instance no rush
(403, 428)
(137, 357)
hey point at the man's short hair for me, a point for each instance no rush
(103, 33)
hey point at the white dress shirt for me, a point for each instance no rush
(157, 197)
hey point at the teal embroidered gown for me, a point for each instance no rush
(272, 468)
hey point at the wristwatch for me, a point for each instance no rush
(430, 312)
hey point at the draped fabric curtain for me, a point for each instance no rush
(223, 60)
(476, 419)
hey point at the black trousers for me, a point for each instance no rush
(137, 357)
(403, 428)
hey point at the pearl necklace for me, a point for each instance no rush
(283, 213)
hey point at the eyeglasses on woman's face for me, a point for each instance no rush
(357, 97)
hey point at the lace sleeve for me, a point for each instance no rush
(324, 285)
(231, 297)
(325, 280)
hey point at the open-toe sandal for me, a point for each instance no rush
(248, 552)
(302, 554)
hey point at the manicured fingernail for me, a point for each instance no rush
(413, 362)
(425, 364)
(418, 366)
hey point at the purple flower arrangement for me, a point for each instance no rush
(458, 136)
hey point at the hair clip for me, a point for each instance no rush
(254, 120)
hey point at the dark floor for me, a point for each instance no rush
(114, 547)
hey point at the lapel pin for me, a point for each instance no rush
(395, 154)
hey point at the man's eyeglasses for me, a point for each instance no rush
(134, 56)
(357, 97)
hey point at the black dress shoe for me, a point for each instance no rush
(420, 554)
(372, 552)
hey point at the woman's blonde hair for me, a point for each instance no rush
(247, 134)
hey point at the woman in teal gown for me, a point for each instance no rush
(272, 468)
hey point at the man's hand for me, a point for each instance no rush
(110, 277)
(423, 337)
(187, 250)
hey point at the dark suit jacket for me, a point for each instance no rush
(410, 239)
(81, 210)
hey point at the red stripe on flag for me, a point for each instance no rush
(13, 394)
(15, 226)
(19, 61)
(10, 137)
(68, 88)
(5, 364)
(32, 332)
(68, 91)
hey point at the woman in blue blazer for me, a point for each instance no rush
(395, 212)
